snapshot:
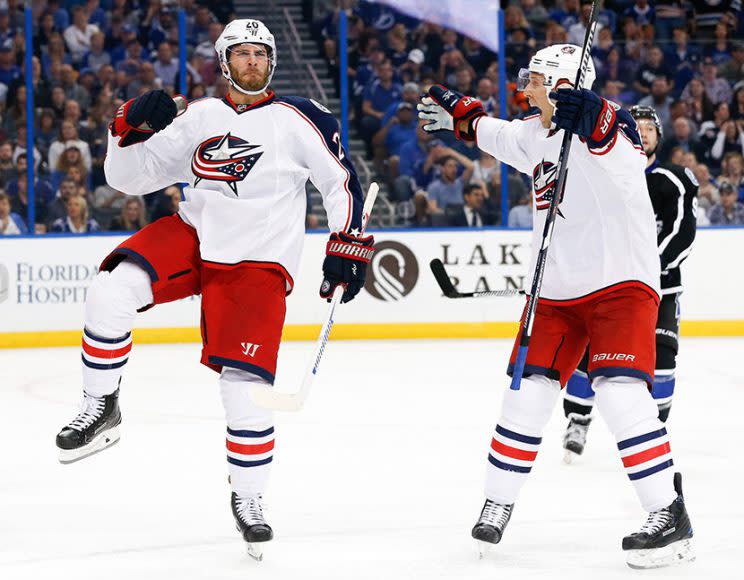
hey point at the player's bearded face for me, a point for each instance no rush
(649, 137)
(249, 67)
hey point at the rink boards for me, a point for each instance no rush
(43, 282)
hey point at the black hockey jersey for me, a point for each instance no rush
(673, 190)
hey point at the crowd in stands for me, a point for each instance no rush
(686, 59)
(89, 57)
(682, 58)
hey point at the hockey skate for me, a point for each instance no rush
(664, 540)
(94, 429)
(491, 525)
(574, 439)
(250, 522)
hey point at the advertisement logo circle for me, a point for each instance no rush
(393, 272)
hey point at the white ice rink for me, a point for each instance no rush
(379, 477)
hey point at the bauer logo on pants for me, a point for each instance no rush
(393, 272)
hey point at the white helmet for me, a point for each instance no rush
(239, 32)
(559, 63)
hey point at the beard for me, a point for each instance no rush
(250, 81)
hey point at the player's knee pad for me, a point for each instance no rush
(626, 405)
(113, 299)
(528, 409)
(240, 410)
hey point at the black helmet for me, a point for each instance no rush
(643, 112)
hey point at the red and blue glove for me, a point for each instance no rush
(155, 109)
(345, 264)
(460, 107)
(585, 113)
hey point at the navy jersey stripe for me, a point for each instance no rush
(327, 126)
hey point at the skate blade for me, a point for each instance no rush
(568, 457)
(676, 553)
(100, 442)
(255, 552)
(484, 548)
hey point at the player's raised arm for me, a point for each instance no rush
(140, 160)
(449, 110)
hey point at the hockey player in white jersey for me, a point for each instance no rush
(236, 240)
(600, 287)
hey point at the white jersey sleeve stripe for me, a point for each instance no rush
(680, 207)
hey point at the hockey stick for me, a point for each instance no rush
(547, 235)
(265, 396)
(449, 290)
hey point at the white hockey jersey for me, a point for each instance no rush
(605, 231)
(245, 167)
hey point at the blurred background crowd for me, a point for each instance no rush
(686, 59)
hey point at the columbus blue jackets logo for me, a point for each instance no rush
(544, 178)
(224, 158)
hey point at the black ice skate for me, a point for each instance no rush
(250, 522)
(94, 429)
(664, 540)
(491, 524)
(574, 439)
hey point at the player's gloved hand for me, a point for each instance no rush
(450, 110)
(585, 113)
(346, 262)
(155, 110)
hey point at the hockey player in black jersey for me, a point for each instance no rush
(673, 190)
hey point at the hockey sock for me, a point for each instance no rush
(250, 434)
(579, 396)
(518, 435)
(110, 308)
(632, 417)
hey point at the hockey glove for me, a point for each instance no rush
(346, 264)
(447, 109)
(155, 109)
(585, 113)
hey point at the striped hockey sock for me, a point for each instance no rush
(249, 454)
(510, 460)
(103, 362)
(647, 459)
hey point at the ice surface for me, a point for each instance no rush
(379, 477)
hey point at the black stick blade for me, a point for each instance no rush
(443, 279)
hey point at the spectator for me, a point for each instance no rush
(732, 171)
(42, 188)
(733, 69)
(45, 30)
(9, 71)
(397, 45)
(520, 216)
(720, 50)
(464, 80)
(10, 223)
(145, 81)
(78, 34)
(477, 56)
(20, 148)
(70, 160)
(659, 99)
(682, 58)
(55, 54)
(728, 211)
(167, 202)
(7, 167)
(46, 132)
(670, 16)
(166, 66)
(577, 31)
(448, 187)
(568, 15)
(132, 216)
(76, 220)
(730, 138)
(410, 71)
(653, 67)
(535, 14)
(737, 106)
(97, 56)
(709, 130)
(388, 141)
(682, 137)
(68, 137)
(206, 48)
(616, 72)
(469, 213)
(701, 107)
(485, 94)
(57, 207)
(642, 12)
(449, 63)
(72, 89)
(717, 89)
(417, 159)
(378, 96)
(198, 32)
(708, 194)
